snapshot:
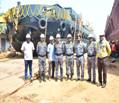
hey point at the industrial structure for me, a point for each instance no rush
(4, 43)
(37, 19)
(112, 23)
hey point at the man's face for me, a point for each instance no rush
(90, 39)
(78, 38)
(51, 41)
(57, 39)
(28, 40)
(42, 39)
(101, 38)
(69, 39)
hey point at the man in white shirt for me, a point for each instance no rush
(28, 48)
(50, 50)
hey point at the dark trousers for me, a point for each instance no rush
(51, 67)
(102, 70)
(28, 63)
(59, 62)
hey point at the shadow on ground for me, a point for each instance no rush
(113, 68)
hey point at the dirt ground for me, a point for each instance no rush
(13, 89)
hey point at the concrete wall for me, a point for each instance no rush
(4, 44)
(112, 24)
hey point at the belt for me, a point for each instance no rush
(58, 54)
(69, 54)
(79, 56)
(42, 55)
(91, 55)
(103, 58)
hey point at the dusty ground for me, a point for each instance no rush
(14, 90)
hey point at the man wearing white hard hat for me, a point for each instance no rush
(69, 51)
(27, 48)
(91, 51)
(59, 50)
(51, 58)
(80, 50)
(41, 51)
(103, 52)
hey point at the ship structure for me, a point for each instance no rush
(36, 19)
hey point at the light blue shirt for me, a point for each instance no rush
(79, 48)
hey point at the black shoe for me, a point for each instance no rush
(88, 80)
(71, 77)
(82, 79)
(67, 77)
(104, 85)
(44, 80)
(43, 76)
(94, 82)
(61, 79)
(48, 77)
(78, 79)
(52, 77)
(56, 79)
(99, 84)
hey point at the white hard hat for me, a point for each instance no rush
(58, 36)
(69, 36)
(51, 38)
(102, 35)
(42, 36)
(90, 36)
(28, 36)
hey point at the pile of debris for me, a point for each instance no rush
(10, 54)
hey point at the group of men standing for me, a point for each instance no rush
(56, 49)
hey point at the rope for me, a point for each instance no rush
(32, 11)
(21, 11)
(27, 10)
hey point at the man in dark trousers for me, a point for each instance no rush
(51, 58)
(103, 52)
(27, 48)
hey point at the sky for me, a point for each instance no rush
(93, 11)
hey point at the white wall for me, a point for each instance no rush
(7, 45)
